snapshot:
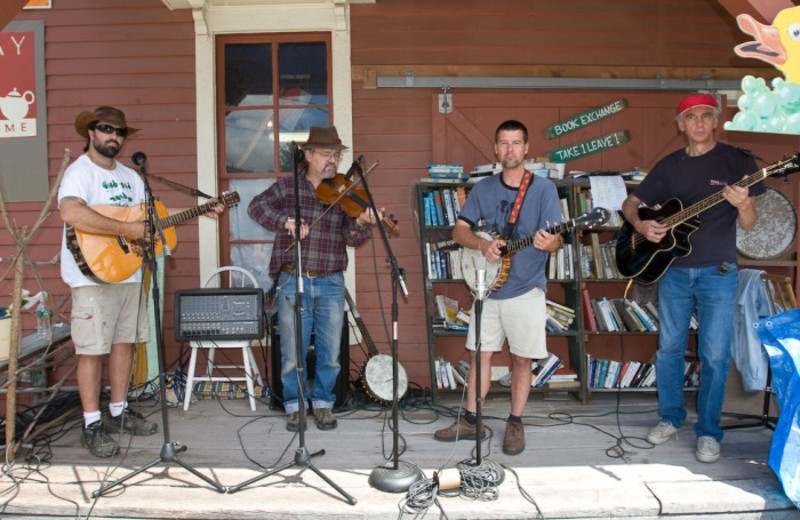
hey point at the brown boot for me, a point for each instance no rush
(514, 439)
(459, 430)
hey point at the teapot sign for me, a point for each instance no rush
(17, 85)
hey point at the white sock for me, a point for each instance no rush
(90, 417)
(115, 409)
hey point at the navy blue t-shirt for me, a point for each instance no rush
(692, 179)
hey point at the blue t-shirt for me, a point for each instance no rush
(490, 202)
(692, 179)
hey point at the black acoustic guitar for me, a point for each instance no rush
(647, 261)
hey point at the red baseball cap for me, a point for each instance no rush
(697, 100)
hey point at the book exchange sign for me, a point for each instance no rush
(594, 145)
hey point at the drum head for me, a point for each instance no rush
(378, 379)
(775, 231)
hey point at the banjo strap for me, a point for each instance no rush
(523, 190)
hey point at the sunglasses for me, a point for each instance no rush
(108, 129)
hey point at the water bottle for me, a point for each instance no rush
(44, 327)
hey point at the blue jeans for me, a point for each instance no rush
(323, 314)
(713, 294)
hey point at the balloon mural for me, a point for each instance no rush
(775, 109)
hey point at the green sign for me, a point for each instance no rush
(585, 119)
(598, 144)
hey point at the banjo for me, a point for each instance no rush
(376, 375)
(497, 271)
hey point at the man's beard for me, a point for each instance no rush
(105, 149)
(511, 162)
(329, 172)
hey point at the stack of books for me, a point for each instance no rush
(543, 369)
(559, 317)
(481, 171)
(446, 174)
(449, 315)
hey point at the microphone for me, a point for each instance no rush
(355, 167)
(139, 158)
(299, 156)
(481, 285)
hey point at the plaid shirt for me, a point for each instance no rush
(324, 247)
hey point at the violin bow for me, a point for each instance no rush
(337, 199)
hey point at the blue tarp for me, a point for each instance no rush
(780, 335)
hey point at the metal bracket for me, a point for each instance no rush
(445, 101)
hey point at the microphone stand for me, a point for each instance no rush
(480, 294)
(302, 457)
(169, 450)
(401, 475)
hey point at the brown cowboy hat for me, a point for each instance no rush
(112, 115)
(321, 137)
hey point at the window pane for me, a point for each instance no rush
(254, 258)
(242, 226)
(248, 74)
(249, 142)
(295, 124)
(303, 71)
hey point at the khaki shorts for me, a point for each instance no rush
(104, 315)
(521, 320)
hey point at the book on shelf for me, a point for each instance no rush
(442, 180)
(544, 369)
(446, 307)
(588, 315)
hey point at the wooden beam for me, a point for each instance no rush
(9, 9)
(762, 10)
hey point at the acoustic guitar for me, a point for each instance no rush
(646, 261)
(376, 375)
(113, 258)
(497, 271)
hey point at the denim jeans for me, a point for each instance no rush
(323, 314)
(713, 294)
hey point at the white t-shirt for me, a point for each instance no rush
(87, 181)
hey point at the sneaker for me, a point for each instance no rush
(460, 430)
(514, 439)
(293, 422)
(98, 441)
(129, 422)
(325, 419)
(661, 433)
(707, 449)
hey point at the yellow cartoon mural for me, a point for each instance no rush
(761, 108)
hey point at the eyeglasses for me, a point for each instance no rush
(108, 129)
(328, 156)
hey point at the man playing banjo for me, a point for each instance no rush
(515, 311)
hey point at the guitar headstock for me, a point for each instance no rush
(229, 198)
(596, 217)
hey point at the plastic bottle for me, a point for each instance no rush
(44, 328)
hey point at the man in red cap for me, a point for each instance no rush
(705, 280)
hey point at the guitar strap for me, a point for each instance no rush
(180, 187)
(527, 178)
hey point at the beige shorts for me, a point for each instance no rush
(521, 320)
(104, 315)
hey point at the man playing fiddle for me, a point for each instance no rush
(324, 259)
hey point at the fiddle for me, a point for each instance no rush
(353, 201)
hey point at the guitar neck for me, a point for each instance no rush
(183, 216)
(699, 207)
(513, 246)
(362, 327)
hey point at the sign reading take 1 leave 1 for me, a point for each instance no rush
(585, 119)
(598, 144)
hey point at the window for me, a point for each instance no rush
(272, 89)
